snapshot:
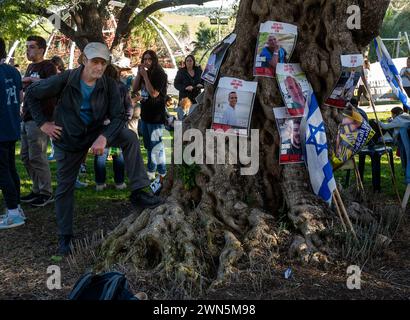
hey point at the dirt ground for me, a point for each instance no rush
(26, 253)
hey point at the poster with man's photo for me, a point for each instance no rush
(290, 139)
(294, 87)
(214, 63)
(352, 69)
(354, 132)
(276, 42)
(233, 104)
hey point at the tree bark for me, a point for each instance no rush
(203, 236)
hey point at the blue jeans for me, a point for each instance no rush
(117, 163)
(152, 136)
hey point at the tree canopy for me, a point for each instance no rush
(86, 17)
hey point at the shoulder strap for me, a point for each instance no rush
(111, 287)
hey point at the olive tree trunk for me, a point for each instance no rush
(203, 235)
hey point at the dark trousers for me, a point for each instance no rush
(9, 178)
(68, 164)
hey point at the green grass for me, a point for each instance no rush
(87, 198)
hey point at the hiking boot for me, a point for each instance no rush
(100, 187)
(11, 222)
(121, 186)
(64, 244)
(30, 197)
(145, 199)
(42, 200)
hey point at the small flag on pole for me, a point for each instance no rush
(316, 152)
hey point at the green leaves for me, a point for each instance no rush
(187, 174)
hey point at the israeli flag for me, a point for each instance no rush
(391, 73)
(316, 152)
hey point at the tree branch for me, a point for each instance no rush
(103, 4)
(146, 12)
(123, 20)
(26, 8)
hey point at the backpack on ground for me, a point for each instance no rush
(105, 286)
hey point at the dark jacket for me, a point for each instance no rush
(183, 79)
(76, 135)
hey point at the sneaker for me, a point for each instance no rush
(121, 186)
(22, 215)
(143, 199)
(100, 187)
(30, 197)
(11, 222)
(42, 200)
(151, 175)
(80, 185)
(64, 245)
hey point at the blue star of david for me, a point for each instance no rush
(312, 139)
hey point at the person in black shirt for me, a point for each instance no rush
(188, 80)
(151, 81)
(34, 142)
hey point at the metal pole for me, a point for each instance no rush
(219, 31)
(407, 40)
(398, 46)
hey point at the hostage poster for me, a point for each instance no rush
(290, 139)
(353, 134)
(214, 63)
(233, 104)
(276, 42)
(294, 87)
(352, 69)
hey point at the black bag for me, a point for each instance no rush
(105, 286)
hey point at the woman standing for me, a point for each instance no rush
(188, 80)
(152, 81)
(117, 156)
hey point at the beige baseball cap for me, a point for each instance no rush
(97, 50)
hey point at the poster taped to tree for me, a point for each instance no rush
(215, 60)
(233, 104)
(276, 42)
(290, 139)
(352, 70)
(294, 87)
(353, 134)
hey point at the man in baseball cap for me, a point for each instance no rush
(97, 50)
(86, 99)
